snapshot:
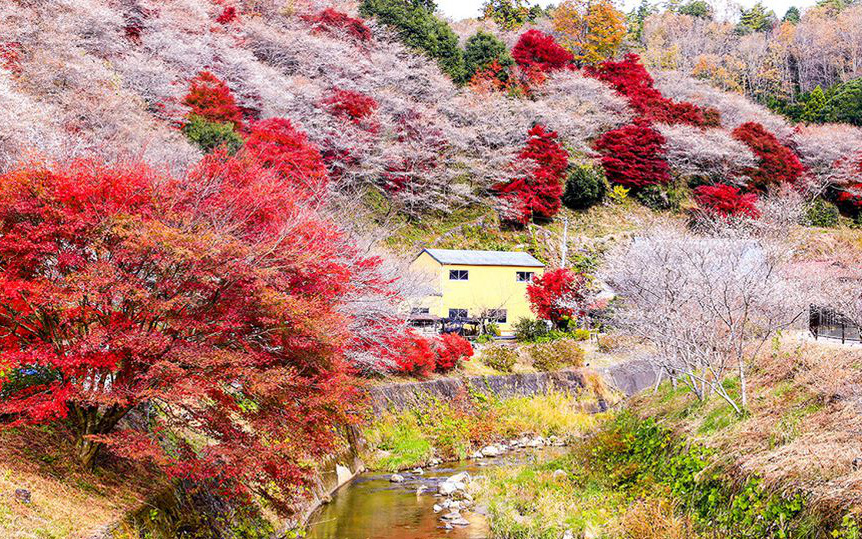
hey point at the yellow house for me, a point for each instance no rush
(477, 284)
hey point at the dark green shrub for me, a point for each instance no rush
(211, 135)
(417, 27)
(501, 358)
(660, 197)
(482, 49)
(585, 187)
(843, 103)
(822, 213)
(527, 330)
(555, 355)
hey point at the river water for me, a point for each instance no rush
(372, 507)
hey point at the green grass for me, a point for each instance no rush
(453, 430)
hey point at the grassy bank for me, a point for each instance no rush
(673, 466)
(454, 430)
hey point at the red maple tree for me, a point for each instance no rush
(536, 50)
(558, 295)
(451, 349)
(778, 164)
(214, 303)
(276, 144)
(334, 21)
(537, 194)
(633, 155)
(353, 106)
(210, 98)
(630, 78)
(726, 200)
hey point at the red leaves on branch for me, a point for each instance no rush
(633, 155)
(726, 200)
(558, 295)
(333, 21)
(210, 98)
(536, 195)
(778, 164)
(10, 56)
(414, 354)
(276, 144)
(420, 356)
(228, 15)
(848, 184)
(630, 79)
(452, 348)
(537, 50)
(353, 106)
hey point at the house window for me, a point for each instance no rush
(458, 275)
(498, 316)
(420, 310)
(523, 276)
(458, 314)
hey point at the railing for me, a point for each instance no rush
(830, 324)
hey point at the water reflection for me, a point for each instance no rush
(374, 508)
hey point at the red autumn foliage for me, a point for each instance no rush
(210, 98)
(124, 288)
(10, 56)
(228, 15)
(630, 79)
(778, 164)
(537, 50)
(558, 295)
(333, 21)
(633, 155)
(353, 106)
(536, 195)
(416, 355)
(452, 348)
(726, 200)
(848, 188)
(276, 144)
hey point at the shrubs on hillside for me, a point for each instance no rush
(419, 28)
(778, 164)
(555, 355)
(332, 21)
(632, 155)
(498, 357)
(726, 201)
(211, 99)
(209, 135)
(353, 106)
(536, 195)
(276, 144)
(822, 213)
(484, 49)
(585, 187)
(631, 79)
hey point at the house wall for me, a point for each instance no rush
(487, 287)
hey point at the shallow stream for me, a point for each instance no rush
(372, 507)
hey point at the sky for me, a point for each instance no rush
(463, 9)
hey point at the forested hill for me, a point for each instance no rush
(429, 115)
(205, 207)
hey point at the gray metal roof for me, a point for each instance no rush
(483, 258)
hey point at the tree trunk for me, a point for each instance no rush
(86, 451)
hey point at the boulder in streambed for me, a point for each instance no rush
(396, 478)
(490, 451)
